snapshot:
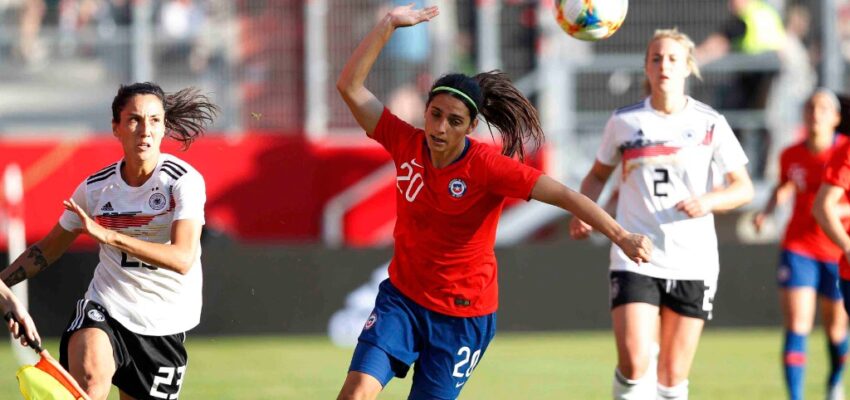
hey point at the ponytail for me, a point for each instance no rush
(187, 112)
(500, 103)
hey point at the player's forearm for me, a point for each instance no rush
(779, 195)
(588, 211)
(353, 75)
(830, 222)
(736, 194)
(591, 186)
(832, 226)
(27, 265)
(169, 256)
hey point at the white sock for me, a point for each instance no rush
(642, 388)
(678, 392)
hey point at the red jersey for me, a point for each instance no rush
(837, 173)
(443, 255)
(806, 170)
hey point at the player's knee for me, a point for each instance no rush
(355, 393)
(95, 388)
(359, 386)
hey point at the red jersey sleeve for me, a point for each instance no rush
(837, 172)
(510, 178)
(393, 133)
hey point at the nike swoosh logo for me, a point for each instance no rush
(413, 161)
(459, 384)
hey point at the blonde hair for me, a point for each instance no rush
(684, 40)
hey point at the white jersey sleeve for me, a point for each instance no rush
(728, 153)
(609, 152)
(190, 196)
(69, 219)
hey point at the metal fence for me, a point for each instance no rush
(271, 64)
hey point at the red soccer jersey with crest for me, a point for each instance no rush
(806, 170)
(837, 173)
(447, 217)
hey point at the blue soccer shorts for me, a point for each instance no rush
(796, 270)
(443, 350)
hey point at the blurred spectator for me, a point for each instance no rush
(29, 48)
(843, 11)
(796, 80)
(180, 22)
(754, 28)
(406, 54)
(74, 17)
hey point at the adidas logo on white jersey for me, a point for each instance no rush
(107, 207)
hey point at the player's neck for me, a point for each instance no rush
(444, 159)
(817, 143)
(668, 103)
(136, 172)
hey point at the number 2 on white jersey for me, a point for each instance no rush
(412, 178)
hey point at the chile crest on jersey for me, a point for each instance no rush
(457, 188)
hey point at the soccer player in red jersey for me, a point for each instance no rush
(437, 309)
(808, 266)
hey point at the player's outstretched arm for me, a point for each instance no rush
(737, 192)
(781, 193)
(828, 212)
(591, 186)
(363, 104)
(38, 256)
(177, 256)
(637, 247)
(17, 318)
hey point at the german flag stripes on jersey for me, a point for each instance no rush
(144, 298)
(667, 158)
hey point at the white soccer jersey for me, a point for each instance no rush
(666, 159)
(145, 299)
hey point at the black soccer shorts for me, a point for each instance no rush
(691, 298)
(147, 367)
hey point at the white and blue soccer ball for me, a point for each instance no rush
(591, 19)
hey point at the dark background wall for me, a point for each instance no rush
(272, 289)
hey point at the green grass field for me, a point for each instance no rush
(730, 364)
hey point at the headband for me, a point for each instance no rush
(457, 92)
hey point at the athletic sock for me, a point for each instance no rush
(837, 356)
(794, 363)
(633, 389)
(678, 392)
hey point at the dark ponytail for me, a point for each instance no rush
(187, 112)
(500, 103)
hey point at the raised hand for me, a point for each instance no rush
(406, 16)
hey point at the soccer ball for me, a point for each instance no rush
(591, 19)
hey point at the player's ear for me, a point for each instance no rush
(472, 126)
(114, 129)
